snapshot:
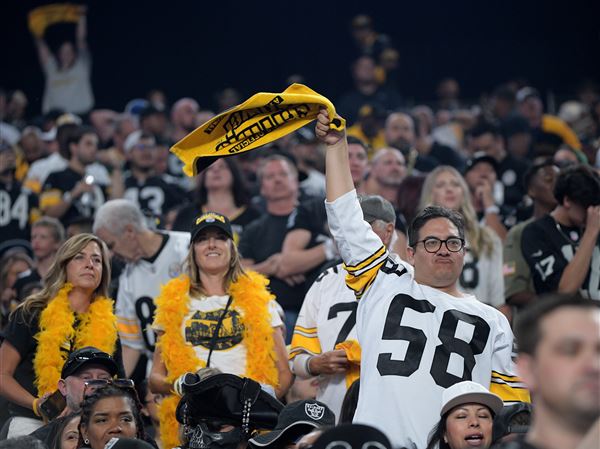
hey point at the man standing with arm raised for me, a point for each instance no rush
(419, 334)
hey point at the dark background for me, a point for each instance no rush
(194, 48)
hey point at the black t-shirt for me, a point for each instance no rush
(20, 334)
(155, 196)
(18, 209)
(519, 443)
(447, 156)
(64, 181)
(511, 172)
(548, 248)
(350, 103)
(187, 215)
(263, 238)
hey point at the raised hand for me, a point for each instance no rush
(324, 132)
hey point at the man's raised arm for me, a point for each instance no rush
(337, 168)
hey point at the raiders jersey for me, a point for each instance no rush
(548, 248)
(139, 284)
(154, 196)
(416, 340)
(18, 210)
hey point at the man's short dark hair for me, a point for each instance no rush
(74, 135)
(527, 324)
(484, 127)
(429, 213)
(580, 183)
(356, 141)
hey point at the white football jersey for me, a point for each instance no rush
(139, 285)
(416, 340)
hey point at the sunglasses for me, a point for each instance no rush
(90, 386)
(85, 358)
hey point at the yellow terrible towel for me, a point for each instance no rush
(42, 17)
(353, 353)
(261, 119)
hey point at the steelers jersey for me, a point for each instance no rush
(154, 196)
(416, 340)
(327, 317)
(18, 210)
(139, 284)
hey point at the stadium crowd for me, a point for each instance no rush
(330, 289)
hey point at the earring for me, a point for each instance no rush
(86, 441)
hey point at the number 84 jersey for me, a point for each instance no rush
(416, 340)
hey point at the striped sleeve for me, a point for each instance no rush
(504, 382)
(361, 249)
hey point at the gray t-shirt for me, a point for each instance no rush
(71, 89)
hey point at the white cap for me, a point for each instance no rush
(132, 140)
(469, 392)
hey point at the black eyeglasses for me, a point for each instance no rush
(433, 244)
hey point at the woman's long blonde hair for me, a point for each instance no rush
(479, 238)
(57, 275)
(233, 273)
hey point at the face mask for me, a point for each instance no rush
(200, 437)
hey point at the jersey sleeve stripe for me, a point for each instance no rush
(308, 344)
(509, 393)
(122, 319)
(368, 261)
(128, 328)
(359, 284)
(297, 351)
(306, 330)
(50, 198)
(506, 377)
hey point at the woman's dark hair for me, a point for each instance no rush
(436, 436)
(349, 403)
(238, 188)
(110, 391)
(56, 441)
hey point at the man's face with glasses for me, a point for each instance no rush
(438, 255)
(73, 386)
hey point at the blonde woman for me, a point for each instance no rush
(482, 271)
(216, 315)
(70, 312)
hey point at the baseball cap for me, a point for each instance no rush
(376, 207)
(307, 413)
(479, 157)
(211, 219)
(467, 392)
(353, 436)
(88, 355)
(127, 443)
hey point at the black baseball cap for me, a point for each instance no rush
(307, 414)
(352, 436)
(211, 219)
(88, 356)
(480, 157)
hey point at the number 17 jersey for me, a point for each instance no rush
(416, 340)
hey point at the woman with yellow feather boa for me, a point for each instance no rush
(70, 312)
(217, 315)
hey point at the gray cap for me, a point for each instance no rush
(375, 207)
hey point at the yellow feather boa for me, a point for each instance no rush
(251, 297)
(97, 327)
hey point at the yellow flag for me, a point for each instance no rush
(44, 16)
(261, 119)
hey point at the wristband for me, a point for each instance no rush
(492, 210)
(307, 366)
(34, 406)
(67, 197)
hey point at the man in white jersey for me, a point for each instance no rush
(153, 258)
(419, 334)
(328, 317)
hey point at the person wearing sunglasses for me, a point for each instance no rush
(84, 366)
(419, 333)
(111, 411)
